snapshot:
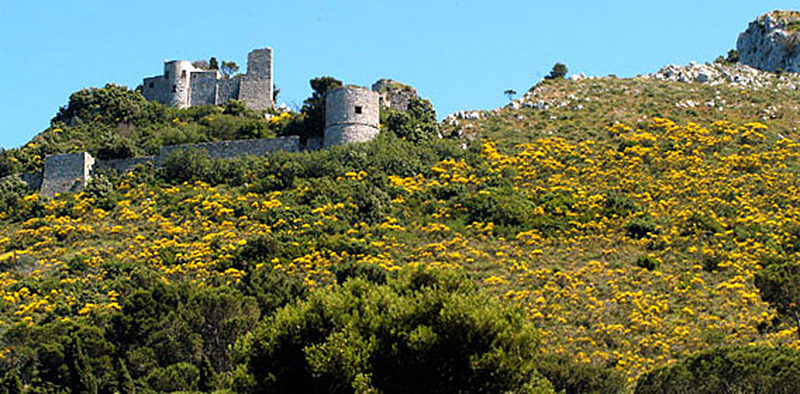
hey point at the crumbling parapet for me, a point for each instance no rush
(352, 114)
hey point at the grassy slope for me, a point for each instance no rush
(550, 210)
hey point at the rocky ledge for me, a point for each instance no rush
(736, 74)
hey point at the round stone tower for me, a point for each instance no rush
(177, 73)
(352, 114)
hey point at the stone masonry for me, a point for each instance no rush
(184, 85)
(394, 94)
(352, 114)
(72, 171)
(65, 173)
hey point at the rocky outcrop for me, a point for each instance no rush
(738, 75)
(772, 42)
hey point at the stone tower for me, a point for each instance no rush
(177, 74)
(352, 114)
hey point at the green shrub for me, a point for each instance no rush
(369, 272)
(641, 227)
(101, 190)
(779, 285)
(8, 163)
(425, 332)
(12, 191)
(571, 377)
(617, 204)
(559, 71)
(502, 206)
(187, 165)
(417, 123)
(734, 369)
(177, 377)
(647, 262)
(111, 105)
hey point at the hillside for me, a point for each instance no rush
(626, 218)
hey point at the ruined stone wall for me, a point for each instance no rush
(394, 94)
(155, 89)
(123, 165)
(66, 173)
(203, 87)
(227, 90)
(351, 115)
(228, 149)
(256, 93)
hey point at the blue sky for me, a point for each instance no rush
(460, 54)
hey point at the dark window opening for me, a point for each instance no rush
(183, 74)
(166, 74)
(151, 85)
(174, 88)
(358, 109)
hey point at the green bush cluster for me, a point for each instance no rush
(418, 123)
(734, 369)
(165, 337)
(424, 332)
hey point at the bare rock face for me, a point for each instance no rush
(772, 42)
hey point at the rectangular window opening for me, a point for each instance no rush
(358, 109)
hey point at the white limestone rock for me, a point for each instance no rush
(772, 42)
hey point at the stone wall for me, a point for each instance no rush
(227, 89)
(204, 88)
(228, 149)
(71, 172)
(66, 173)
(155, 89)
(123, 165)
(351, 115)
(256, 93)
(348, 134)
(33, 179)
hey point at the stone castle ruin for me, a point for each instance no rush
(352, 114)
(184, 85)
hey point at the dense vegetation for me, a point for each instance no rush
(597, 249)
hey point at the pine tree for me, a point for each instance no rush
(125, 384)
